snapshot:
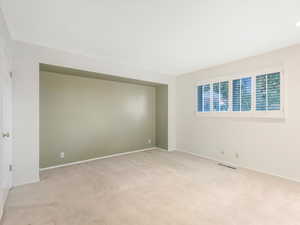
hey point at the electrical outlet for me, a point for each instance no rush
(149, 141)
(62, 155)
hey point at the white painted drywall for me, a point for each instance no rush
(26, 99)
(267, 145)
(5, 59)
(169, 36)
(277, 157)
(172, 115)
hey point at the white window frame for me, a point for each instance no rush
(251, 114)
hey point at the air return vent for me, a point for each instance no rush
(228, 166)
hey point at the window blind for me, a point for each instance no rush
(216, 97)
(268, 92)
(261, 92)
(273, 91)
(246, 94)
(224, 96)
(200, 98)
(241, 94)
(206, 98)
(236, 95)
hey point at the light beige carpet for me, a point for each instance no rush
(154, 188)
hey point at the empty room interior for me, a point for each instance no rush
(149, 112)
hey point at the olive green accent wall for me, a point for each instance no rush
(162, 116)
(87, 118)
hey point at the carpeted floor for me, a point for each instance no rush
(154, 188)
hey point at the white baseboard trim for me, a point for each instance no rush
(161, 149)
(98, 158)
(212, 159)
(272, 174)
(242, 167)
(171, 149)
(26, 182)
(3, 198)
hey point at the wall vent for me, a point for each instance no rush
(228, 166)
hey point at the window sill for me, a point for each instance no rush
(269, 114)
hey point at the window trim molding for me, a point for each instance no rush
(276, 114)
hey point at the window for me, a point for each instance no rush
(257, 93)
(236, 95)
(241, 94)
(268, 92)
(200, 98)
(215, 95)
(261, 92)
(206, 98)
(224, 96)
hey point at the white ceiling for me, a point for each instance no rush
(163, 36)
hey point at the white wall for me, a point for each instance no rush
(267, 145)
(263, 144)
(5, 68)
(26, 99)
(5, 40)
(172, 115)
